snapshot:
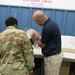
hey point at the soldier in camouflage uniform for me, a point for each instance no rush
(16, 55)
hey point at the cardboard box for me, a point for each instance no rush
(65, 68)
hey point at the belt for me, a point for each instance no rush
(51, 54)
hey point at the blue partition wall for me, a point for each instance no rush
(64, 18)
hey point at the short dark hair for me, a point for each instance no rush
(10, 21)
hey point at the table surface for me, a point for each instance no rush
(67, 54)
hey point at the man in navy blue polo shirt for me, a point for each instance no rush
(50, 42)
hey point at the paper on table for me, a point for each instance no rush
(68, 42)
(37, 51)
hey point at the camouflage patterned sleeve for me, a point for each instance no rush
(28, 52)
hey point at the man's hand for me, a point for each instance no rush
(36, 36)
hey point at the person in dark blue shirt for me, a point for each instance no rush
(50, 42)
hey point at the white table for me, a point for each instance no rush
(67, 55)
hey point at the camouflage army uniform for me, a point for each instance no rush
(16, 55)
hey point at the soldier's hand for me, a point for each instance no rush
(31, 72)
